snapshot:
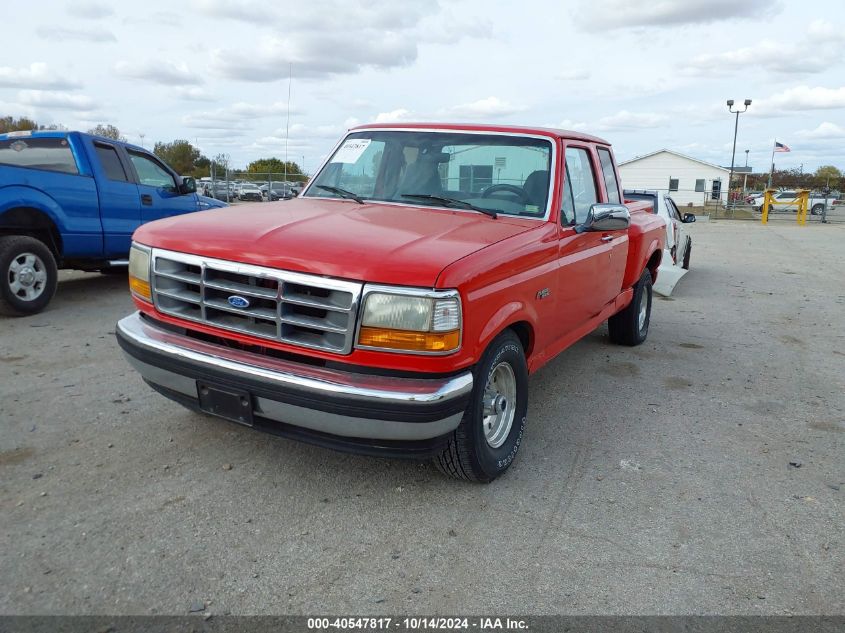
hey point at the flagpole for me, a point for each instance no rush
(772, 163)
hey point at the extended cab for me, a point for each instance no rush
(72, 200)
(399, 304)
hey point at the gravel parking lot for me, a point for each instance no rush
(652, 480)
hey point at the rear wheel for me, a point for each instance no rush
(29, 275)
(630, 326)
(488, 438)
(817, 209)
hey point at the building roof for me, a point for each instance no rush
(669, 151)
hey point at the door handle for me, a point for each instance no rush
(606, 238)
(146, 199)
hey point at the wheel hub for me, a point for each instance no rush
(499, 404)
(27, 276)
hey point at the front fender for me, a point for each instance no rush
(509, 314)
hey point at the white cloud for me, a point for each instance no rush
(36, 76)
(625, 120)
(573, 75)
(818, 50)
(825, 131)
(237, 115)
(162, 72)
(89, 10)
(394, 116)
(56, 100)
(61, 34)
(488, 108)
(334, 37)
(615, 14)
(800, 98)
(193, 93)
(569, 124)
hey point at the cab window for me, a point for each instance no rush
(609, 174)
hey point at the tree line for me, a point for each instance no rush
(180, 154)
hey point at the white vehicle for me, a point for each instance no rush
(678, 250)
(248, 191)
(814, 204)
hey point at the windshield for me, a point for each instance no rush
(501, 173)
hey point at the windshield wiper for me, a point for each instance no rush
(452, 202)
(343, 193)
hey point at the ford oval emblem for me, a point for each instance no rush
(237, 301)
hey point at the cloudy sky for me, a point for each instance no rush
(644, 74)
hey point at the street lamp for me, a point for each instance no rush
(736, 127)
(746, 157)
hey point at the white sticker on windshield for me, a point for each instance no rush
(351, 150)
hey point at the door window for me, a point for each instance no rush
(582, 184)
(151, 172)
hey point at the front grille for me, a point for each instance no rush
(302, 310)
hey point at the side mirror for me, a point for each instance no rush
(688, 217)
(606, 217)
(189, 185)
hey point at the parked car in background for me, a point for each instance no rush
(248, 191)
(221, 191)
(678, 249)
(72, 200)
(815, 204)
(278, 191)
(398, 305)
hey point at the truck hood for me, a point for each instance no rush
(381, 243)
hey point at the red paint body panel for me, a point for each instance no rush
(558, 285)
(384, 243)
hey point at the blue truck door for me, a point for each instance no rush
(120, 207)
(158, 189)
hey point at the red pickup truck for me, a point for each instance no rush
(399, 304)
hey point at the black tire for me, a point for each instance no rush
(817, 209)
(13, 299)
(469, 455)
(687, 254)
(624, 327)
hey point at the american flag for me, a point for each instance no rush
(780, 147)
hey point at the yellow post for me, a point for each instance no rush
(803, 203)
(767, 202)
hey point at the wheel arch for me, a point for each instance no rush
(34, 222)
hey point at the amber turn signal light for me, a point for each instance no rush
(409, 341)
(140, 288)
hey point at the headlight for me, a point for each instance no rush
(410, 320)
(139, 271)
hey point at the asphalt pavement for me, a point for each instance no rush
(700, 473)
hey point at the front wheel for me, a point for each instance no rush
(486, 442)
(630, 326)
(29, 275)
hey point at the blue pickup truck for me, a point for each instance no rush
(73, 200)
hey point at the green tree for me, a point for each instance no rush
(11, 124)
(108, 131)
(179, 154)
(273, 166)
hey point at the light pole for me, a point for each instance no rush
(746, 157)
(736, 127)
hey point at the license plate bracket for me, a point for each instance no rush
(225, 402)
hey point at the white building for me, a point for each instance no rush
(688, 180)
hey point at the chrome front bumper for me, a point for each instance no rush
(313, 399)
